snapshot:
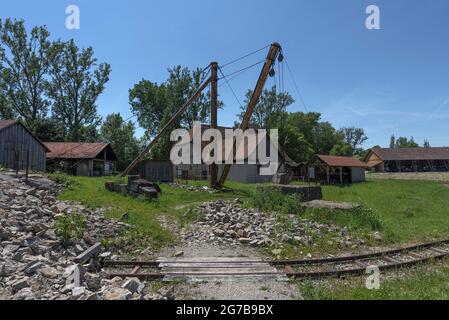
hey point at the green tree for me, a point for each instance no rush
(270, 105)
(120, 135)
(426, 144)
(403, 142)
(392, 142)
(76, 83)
(354, 138)
(291, 139)
(154, 104)
(342, 149)
(23, 67)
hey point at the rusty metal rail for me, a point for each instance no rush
(324, 267)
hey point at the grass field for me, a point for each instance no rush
(409, 210)
(143, 213)
(428, 282)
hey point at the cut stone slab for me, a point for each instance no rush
(322, 204)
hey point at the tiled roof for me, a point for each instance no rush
(74, 150)
(336, 161)
(390, 154)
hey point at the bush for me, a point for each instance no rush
(271, 199)
(70, 227)
(63, 179)
(357, 218)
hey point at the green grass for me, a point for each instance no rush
(175, 202)
(409, 210)
(422, 283)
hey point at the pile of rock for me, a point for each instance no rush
(34, 263)
(227, 222)
(136, 187)
(192, 188)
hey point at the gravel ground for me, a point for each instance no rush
(243, 289)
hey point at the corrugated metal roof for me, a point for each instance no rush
(336, 161)
(74, 150)
(6, 123)
(389, 154)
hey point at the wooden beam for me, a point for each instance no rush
(213, 174)
(167, 126)
(89, 253)
(275, 49)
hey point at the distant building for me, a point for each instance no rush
(154, 170)
(81, 159)
(408, 159)
(336, 170)
(246, 173)
(19, 147)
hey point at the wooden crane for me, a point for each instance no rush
(273, 53)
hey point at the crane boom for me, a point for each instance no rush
(167, 126)
(275, 49)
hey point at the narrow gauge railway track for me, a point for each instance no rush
(309, 268)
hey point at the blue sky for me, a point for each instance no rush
(393, 80)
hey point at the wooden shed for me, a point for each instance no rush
(82, 159)
(19, 147)
(408, 159)
(336, 170)
(155, 171)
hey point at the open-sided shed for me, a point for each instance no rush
(336, 170)
(82, 159)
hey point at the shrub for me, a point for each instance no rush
(270, 199)
(63, 179)
(70, 227)
(358, 218)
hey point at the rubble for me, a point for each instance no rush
(228, 222)
(136, 187)
(34, 262)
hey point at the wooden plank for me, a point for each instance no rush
(89, 253)
(439, 250)
(390, 259)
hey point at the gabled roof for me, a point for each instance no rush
(336, 161)
(249, 148)
(75, 150)
(8, 123)
(390, 154)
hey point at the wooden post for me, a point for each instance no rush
(341, 175)
(328, 178)
(213, 174)
(27, 165)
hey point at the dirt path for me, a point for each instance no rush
(241, 289)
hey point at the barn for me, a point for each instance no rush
(81, 159)
(19, 147)
(336, 170)
(155, 171)
(408, 159)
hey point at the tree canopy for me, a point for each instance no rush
(120, 135)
